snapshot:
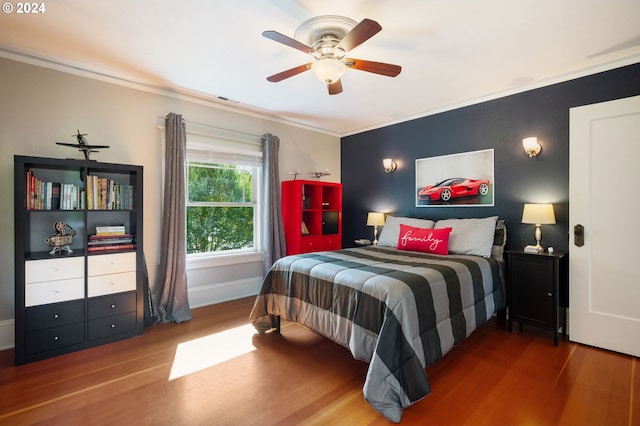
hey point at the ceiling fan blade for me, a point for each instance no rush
(389, 70)
(362, 32)
(288, 41)
(335, 88)
(289, 73)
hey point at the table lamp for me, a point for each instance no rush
(538, 214)
(375, 219)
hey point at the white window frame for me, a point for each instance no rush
(217, 149)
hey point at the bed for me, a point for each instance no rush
(397, 306)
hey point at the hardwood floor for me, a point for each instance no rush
(493, 378)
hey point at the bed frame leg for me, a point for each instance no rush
(275, 323)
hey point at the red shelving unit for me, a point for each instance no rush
(312, 215)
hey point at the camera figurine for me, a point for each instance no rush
(61, 241)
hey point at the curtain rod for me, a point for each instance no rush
(217, 128)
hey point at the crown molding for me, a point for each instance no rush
(606, 66)
(222, 103)
(180, 93)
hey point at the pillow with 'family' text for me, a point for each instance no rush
(428, 240)
(389, 235)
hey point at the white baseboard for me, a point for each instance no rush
(7, 334)
(223, 292)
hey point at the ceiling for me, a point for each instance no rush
(452, 53)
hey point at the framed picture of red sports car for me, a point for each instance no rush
(458, 180)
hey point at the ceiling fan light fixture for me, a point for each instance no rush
(328, 70)
(328, 39)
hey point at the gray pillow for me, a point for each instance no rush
(470, 236)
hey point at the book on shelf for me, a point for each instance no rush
(111, 247)
(109, 241)
(109, 237)
(110, 230)
(55, 196)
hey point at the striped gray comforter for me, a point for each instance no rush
(400, 311)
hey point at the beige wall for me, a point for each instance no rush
(40, 106)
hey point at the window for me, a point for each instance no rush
(222, 197)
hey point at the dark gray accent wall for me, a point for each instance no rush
(500, 125)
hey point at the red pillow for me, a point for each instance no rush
(423, 239)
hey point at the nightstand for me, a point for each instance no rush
(537, 290)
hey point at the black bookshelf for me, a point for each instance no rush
(75, 298)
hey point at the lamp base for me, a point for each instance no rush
(533, 249)
(538, 234)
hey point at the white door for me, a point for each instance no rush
(604, 197)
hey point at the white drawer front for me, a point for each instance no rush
(111, 283)
(53, 291)
(36, 271)
(112, 263)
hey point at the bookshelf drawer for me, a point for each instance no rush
(53, 291)
(332, 242)
(54, 338)
(111, 326)
(54, 315)
(36, 271)
(101, 285)
(112, 263)
(310, 244)
(115, 304)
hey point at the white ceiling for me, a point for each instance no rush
(452, 53)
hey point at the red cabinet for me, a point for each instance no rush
(312, 215)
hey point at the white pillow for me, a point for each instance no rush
(391, 230)
(470, 236)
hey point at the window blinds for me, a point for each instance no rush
(223, 150)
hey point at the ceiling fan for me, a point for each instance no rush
(329, 40)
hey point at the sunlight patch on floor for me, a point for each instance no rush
(211, 350)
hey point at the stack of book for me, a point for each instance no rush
(109, 238)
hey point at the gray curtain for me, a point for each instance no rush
(273, 236)
(173, 303)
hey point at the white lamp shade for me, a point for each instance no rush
(389, 165)
(531, 146)
(539, 214)
(375, 219)
(328, 70)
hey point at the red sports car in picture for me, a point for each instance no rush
(454, 188)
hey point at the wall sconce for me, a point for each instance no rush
(375, 219)
(531, 146)
(389, 165)
(538, 214)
